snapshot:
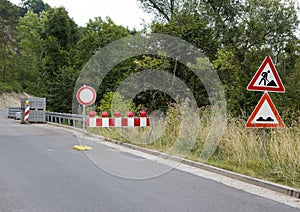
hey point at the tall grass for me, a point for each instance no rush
(239, 149)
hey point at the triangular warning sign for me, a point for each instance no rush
(266, 78)
(265, 114)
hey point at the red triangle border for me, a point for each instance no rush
(264, 98)
(252, 87)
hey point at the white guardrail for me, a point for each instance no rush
(74, 120)
(14, 112)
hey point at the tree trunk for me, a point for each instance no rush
(4, 62)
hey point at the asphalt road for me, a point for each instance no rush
(39, 171)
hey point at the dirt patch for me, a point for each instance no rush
(12, 99)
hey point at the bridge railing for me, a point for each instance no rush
(74, 120)
(13, 112)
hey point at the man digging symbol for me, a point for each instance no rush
(264, 77)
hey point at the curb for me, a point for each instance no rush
(261, 183)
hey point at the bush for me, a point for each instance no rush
(10, 87)
(113, 101)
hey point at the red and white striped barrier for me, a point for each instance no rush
(27, 110)
(118, 121)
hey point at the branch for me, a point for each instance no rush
(160, 10)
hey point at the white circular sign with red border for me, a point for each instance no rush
(86, 95)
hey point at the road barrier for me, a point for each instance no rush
(118, 121)
(27, 111)
(76, 120)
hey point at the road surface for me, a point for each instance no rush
(39, 171)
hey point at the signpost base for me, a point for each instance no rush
(82, 148)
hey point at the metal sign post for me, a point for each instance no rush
(83, 121)
(263, 143)
(86, 96)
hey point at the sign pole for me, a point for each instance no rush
(83, 122)
(86, 96)
(263, 143)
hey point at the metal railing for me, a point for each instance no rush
(74, 120)
(13, 112)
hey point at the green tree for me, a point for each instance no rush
(37, 6)
(153, 99)
(164, 10)
(233, 79)
(97, 34)
(8, 18)
(190, 26)
(293, 89)
(113, 102)
(58, 24)
(252, 28)
(29, 54)
(60, 36)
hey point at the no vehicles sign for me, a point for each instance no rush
(86, 95)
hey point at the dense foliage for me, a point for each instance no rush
(43, 50)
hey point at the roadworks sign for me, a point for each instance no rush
(265, 115)
(266, 78)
